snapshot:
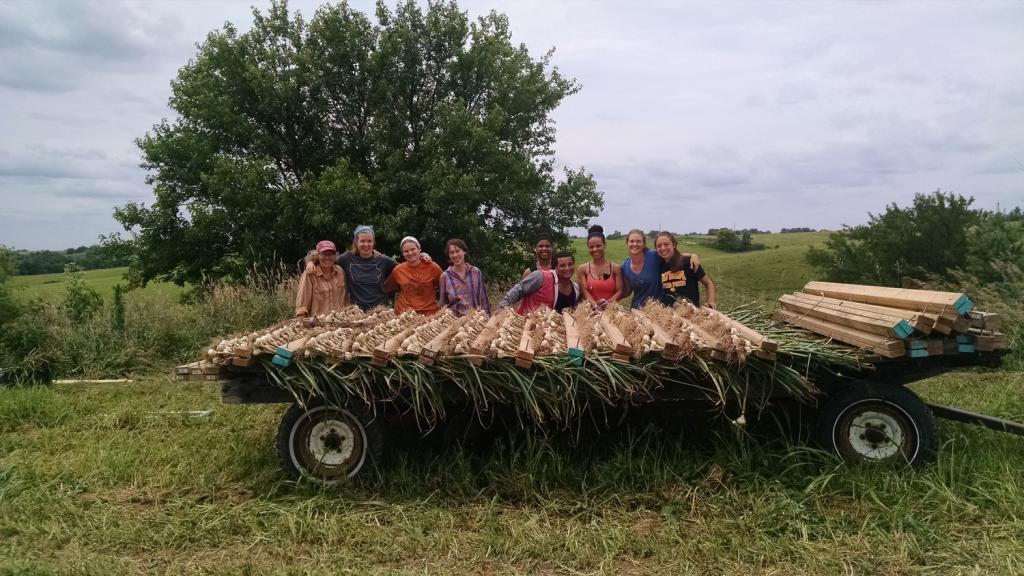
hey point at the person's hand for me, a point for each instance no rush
(424, 257)
(310, 267)
(712, 304)
(694, 262)
(601, 304)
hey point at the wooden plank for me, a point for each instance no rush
(572, 337)
(919, 321)
(949, 304)
(883, 327)
(292, 348)
(759, 340)
(669, 349)
(480, 347)
(985, 320)
(619, 344)
(430, 353)
(524, 354)
(242, 362)
(865, 340)
(935, 346)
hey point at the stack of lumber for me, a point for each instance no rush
(673, 334)
(893, 322)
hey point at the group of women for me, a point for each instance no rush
(365, 277)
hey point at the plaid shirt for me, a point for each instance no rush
(464, 293)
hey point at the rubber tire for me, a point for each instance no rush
(294, 432)
(869, 400)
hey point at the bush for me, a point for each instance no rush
(728, 240)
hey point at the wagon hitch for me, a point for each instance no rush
(991, 422)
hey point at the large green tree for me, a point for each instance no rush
(419, 122)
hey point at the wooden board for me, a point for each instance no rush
(920, 322)
(430, 353)
(669, 349)
(985, 320)
(479, 349)
(894, 328)
(524, 354)
(759, 340)
(950, 304)
(619, 345)
(865, 340)
(572, 337)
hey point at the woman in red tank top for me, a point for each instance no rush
(600, 280)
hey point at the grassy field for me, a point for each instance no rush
(122, 479)
(50, 286)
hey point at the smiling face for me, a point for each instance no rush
(665, 247)
(456, 255)
(364, 244)
(411, 252)
(543, 250)
(326, 258)
(566, 267)
(636, 242)
(595, 245)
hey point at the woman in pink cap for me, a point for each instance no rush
(322, 286)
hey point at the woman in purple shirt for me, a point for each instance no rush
(462, 286)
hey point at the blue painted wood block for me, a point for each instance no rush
(904, 329)
(967, 348)
(280, 361)
(284, 352)
(917, 344)
(918, 353)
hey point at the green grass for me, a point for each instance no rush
(108, 479)
(113, 479)
(51, 286)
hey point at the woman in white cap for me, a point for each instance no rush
(322, 286)
(415, 280)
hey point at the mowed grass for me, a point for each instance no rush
(118, 479)
(51, 286)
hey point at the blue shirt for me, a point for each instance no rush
(647, 284)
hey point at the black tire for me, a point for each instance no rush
(328, 444)
(877, 423)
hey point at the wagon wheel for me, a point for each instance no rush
(327, 444)
(877, 423)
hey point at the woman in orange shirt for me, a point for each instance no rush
(322, 286)
(415, 280)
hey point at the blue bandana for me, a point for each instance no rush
(360, 230)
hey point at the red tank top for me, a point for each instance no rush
(600, 288)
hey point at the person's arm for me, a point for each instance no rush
(619, 283)
(482, 296)
(709, 287)
(524, 288)
(581, 277)
(304, 296)
(527, 272)
(442, 293)
(391, 284)
(694, 260)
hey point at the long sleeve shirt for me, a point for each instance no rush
(318, 294)
(463, 293)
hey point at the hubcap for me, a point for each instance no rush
(331, 442)
(328, 444)
(875, 435)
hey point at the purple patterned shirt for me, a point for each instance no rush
(464, 293)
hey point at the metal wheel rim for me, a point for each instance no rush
(876, 431)
(328, 444)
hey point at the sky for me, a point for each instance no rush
(691, 115)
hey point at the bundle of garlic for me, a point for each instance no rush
(365, 342)
(510, 332)
(423, 333)
(473, 325)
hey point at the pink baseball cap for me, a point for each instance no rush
(325, 246)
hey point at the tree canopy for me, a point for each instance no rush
(939, 232)
(421, 122)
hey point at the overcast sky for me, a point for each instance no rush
(691, 115)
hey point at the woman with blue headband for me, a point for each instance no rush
(367, 270)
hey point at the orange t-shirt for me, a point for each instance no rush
(417, 286)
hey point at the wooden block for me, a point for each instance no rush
(961, 324)
(480, 347)
(935, 346)
(430, 353)
(243, 352)
(292, 348)
(242, 362)
(572, 338)
(916, 321)
(891, 348)
(985, 320)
